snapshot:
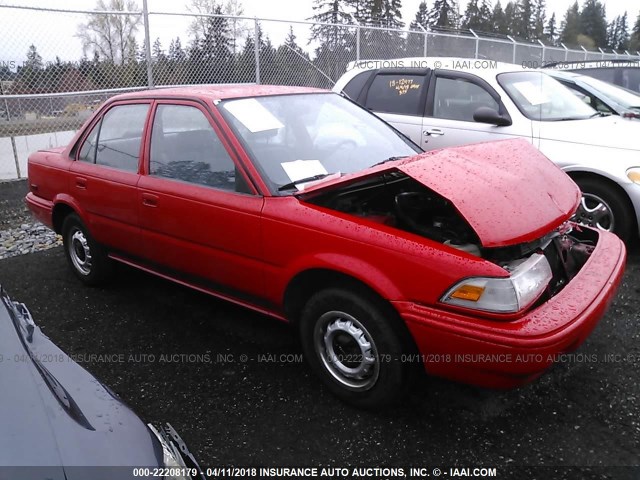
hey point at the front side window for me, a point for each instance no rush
(88, 150)
(185, 147)
(399, 94)
(120, 137)
(541, 97)
(458, 99)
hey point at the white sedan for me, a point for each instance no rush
(442, 102)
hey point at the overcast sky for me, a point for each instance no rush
(53, 34)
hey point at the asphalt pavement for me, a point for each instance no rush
(233, 384)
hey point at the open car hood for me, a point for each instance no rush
(507, 191)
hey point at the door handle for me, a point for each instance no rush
(434, 132)
(81, 183)
(149, 200)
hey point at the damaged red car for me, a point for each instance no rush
(301, 205)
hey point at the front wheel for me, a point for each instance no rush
(604, 208)
(356, 344)
(87, 258)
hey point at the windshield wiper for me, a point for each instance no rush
(598, 114)
(290, 185)
(390, 159)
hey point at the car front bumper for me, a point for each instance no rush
(507, 354)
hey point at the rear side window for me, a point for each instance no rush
(393, 93)
(458, 99)
(120, 137)
(184, 146)
(357, 83)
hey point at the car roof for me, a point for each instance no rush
(565, 74)
(456, 63)
(218, 92)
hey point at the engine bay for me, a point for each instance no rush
(399, 201)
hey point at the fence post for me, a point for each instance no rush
(426, 36)
(477, 42)
(6, 104)
(544, 49)
(147, 43)
(602, 52)
(566, 51)
(15, 156)
(515, 44)
(256, 48)
(585, 52)
(355, 20)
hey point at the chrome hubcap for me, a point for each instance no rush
(80, 253)
(593, 211)
(347, 350)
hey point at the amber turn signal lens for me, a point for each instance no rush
(468, 292)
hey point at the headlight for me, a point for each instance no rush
(172, 459)
(527, 282)
(634, 174)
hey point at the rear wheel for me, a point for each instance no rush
(356, 344)
(87, 258)
(604, 208)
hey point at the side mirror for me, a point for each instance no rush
(489, 115)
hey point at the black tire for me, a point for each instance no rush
(87, 258)
(383, 382)
(622, 213)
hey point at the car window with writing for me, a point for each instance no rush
(399, 94)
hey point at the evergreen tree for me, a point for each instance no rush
(623, 33)
(523, 19)
(510, 17)
(485, 16)
(422, 17)
(176, 53)
(388, 13)
(570, 28)
(593, 22)
(333, 12)
(551, 30)
(539, 19)
(471, 18)
(156, 51)
(444, 14)
(634, 41)
(34, 60)
(499, 20)
(415, 41)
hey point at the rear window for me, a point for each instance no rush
(394, 93)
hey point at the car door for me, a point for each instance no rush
(105, 173)
(199, 215)
(452, 100)
(398, 96)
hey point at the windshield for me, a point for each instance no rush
(299, 136)
(540, 97)
(620, 95)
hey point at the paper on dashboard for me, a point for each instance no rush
(299, 169)
(253, 115)
(533, 93)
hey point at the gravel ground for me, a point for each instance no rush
(233, 385)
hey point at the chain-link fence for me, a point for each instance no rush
(58, 65)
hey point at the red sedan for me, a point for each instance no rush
(301, 205)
